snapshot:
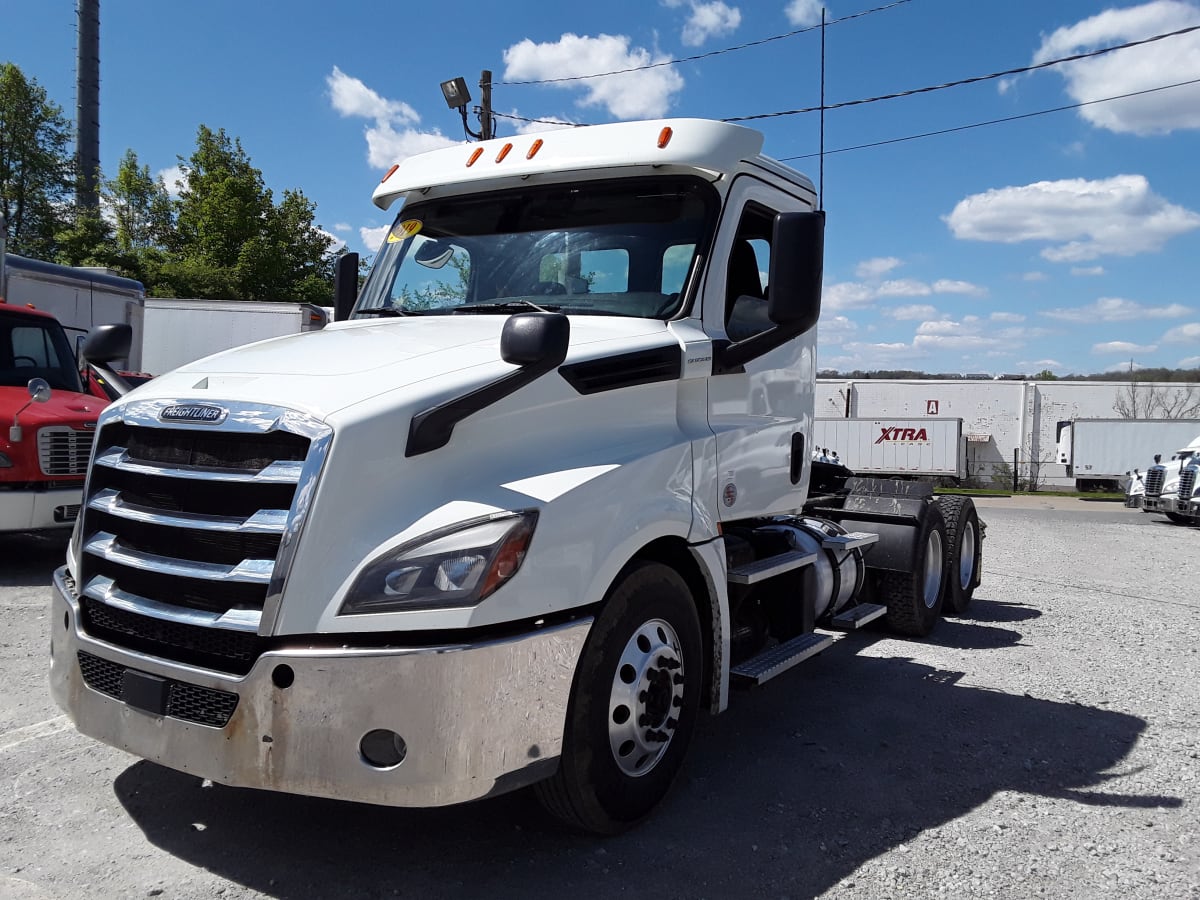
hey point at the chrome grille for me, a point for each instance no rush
(1154, 480)
(183, 527)
(63, 450)
(1187, 482)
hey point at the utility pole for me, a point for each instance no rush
(486, 129)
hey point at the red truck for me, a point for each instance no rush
(47, 422)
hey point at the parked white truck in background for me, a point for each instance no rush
(905, 447)
(540, 500)
(1173, 488)
(1101, 454)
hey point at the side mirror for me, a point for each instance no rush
(39, 392)
(107, 343)
(345, 286)
(535, 339)
(797, 254)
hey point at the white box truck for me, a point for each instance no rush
(540, 497)
(904, 447)
(1100, 454)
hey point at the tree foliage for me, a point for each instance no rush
(35, 164)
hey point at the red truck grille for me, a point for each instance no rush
(63, 450)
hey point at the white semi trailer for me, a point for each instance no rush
(905, 447)
(1100, 454)
(540, 498)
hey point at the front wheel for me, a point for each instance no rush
(633, 706)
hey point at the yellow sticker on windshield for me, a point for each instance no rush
(402, 231)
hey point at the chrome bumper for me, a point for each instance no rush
(477, 719)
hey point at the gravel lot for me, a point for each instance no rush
(1043, 746)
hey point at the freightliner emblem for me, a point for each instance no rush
(208, 415)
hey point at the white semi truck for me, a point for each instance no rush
(1172, 488)
(542, 496)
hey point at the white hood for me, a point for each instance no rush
(324, 371)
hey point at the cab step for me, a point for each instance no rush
(857, 616)
(770, 566)
(778, 659)
(851, 541)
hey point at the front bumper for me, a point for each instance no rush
(477, 719)
(35, 510)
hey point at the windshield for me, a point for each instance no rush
(36, 347)
(622, 248)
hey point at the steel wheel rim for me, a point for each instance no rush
(933, 569)
(966, 556)
(646, 697)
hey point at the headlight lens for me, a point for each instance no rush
(451, 568)
(1171, 487)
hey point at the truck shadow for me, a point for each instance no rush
(794, 788)
(29, 559)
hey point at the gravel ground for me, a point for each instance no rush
(1045, 745)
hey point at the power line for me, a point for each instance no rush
(991, 121)
(709, 54)
(974, 80)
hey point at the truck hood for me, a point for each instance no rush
(324, 371)
(65, 407)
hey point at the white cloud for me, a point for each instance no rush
(709, 20)
(1116, 309)
(1035, 276)
(1190, 362)
(1006, 317)
(947, 286)
(870, 269)
(1183, 334)
(955, 342)
(547, 123)
(1117, 216)
(1087, 271)
(391, 136)
(342, 226)
(1168, 61)
(632, 95)
(847, 295)
(804, 12)
(941, 326)
(173, 178)
(903, 287)
(836, 329)
(911, 312)
(335, 243)
(372, 238)
(1123, 347)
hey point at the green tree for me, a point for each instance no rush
(35, 163)
(140, 206)
(230, 234)
(1045, 375)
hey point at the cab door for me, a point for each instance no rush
(760, 412)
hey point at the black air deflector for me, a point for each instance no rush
(626, 370)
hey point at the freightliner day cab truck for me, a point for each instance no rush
(540, 498)
(1173, 488)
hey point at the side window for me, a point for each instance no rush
(31, 348)
(746, 280)
(675, 263)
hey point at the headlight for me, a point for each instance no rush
(455, 567)
(5, 462)
(1171, 487)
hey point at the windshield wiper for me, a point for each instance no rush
(505, 306)
(388, 311)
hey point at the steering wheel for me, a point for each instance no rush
(30, 362)
(546, 288)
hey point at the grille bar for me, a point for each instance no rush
(265, 521)
(1154, 480)
(1187, 482)
(188, 702)
(63, 450)
(105, 590)
(279, 472)
(108, 547)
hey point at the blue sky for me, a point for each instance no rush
(1066, 241)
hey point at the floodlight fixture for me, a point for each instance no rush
(456, 93)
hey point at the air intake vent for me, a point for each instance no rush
(626, 370)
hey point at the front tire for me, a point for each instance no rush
(965, 557)
(633, 705)
(914, 599)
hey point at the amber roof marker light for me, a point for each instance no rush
(664, 137)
